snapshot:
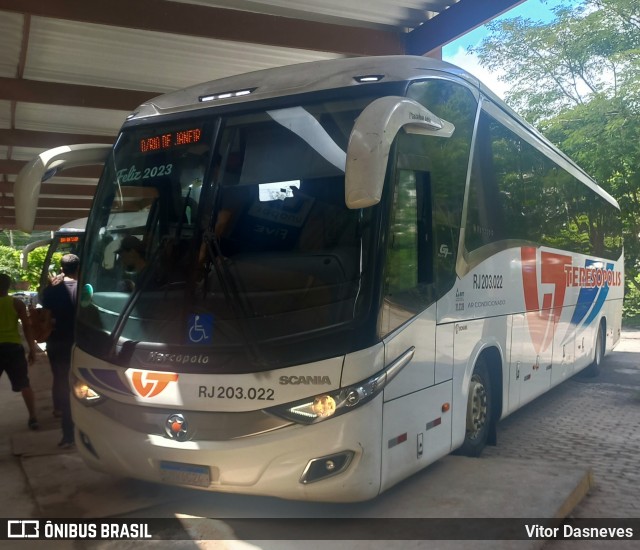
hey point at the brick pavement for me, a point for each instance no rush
(583, 423)
(593, 422)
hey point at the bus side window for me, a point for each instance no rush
(448, 163)
(409, 273)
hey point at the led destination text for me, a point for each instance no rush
(169, 140)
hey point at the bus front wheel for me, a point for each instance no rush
(479, 411)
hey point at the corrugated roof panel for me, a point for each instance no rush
(80, 183)
(80, 120)
(395, 13)
(81, 53)
(10, 42)
(26, 153)
(74, 213)
(71, 182)
(73, 52)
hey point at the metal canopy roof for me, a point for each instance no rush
(71, 70)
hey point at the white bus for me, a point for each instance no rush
(351, 268)
(67, 239)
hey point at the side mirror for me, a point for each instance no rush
(26, 189)
(371, 139)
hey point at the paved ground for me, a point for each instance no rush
(594, 421)
(582, 424)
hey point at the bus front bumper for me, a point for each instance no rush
(337, 460)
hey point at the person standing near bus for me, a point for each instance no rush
(12, 359)
(61, 300)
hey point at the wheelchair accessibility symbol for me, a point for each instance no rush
(200, 328)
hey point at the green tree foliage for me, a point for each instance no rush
(18, 239)
(36, 261)
(10, 262)
(577, 78)
(588, 51)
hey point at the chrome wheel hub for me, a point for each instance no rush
(476, 407)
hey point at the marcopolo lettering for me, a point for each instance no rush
(308, 380)
(177, 358)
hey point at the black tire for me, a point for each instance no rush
(479, 411)
(593, 369)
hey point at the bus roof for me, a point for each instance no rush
(78, 225)
(295, 79)
(327, 75)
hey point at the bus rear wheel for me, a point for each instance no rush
(594, 368)
(479, 411)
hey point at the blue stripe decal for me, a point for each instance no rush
(586, 298)
(602, 296)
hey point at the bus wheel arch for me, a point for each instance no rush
(484, 403)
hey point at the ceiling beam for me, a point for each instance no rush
(459, 19)
(47, 140)
(218, 23)
(74, 95)
(64, 203)
(11, 166)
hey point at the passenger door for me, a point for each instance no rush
(415, 431)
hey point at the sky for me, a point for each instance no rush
(456, 51)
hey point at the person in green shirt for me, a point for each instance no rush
(12, 358)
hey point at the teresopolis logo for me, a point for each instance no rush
(552, 271)
(593, 279)
(151, 384)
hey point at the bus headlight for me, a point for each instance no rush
(84, 393)
(324, 406)
(327, 405)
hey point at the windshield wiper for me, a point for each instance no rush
(232, 295)
(146, 275)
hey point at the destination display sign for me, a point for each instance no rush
(169, 140)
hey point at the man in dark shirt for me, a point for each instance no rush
(132, 255)
(61, 299)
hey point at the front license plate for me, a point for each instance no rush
(185, 474)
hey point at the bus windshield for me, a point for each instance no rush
(227, 232)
